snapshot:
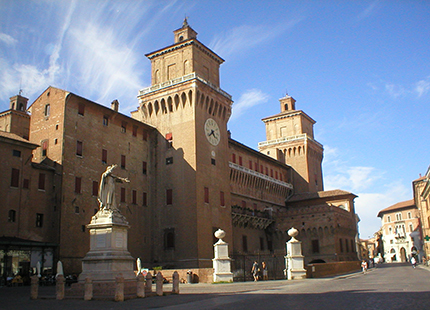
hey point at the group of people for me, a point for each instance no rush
(259, 273)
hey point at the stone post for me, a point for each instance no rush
(119, 288)
(175, 286)
(88, 289)
(148, 283)
(34, 287)
(140, 286)
(294, 261)
(159, 284)
(60, 287)
(221, 262)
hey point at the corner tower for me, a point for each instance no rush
(186, 105)
(290, 139)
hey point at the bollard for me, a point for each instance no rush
(148, 284)
(88, 286)
(119, 288)
(175, 287)
(60, 287)
(140, 286)
(159, 284)
(34, 287)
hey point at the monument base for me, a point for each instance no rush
(108, 256)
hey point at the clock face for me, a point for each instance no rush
(212, 131)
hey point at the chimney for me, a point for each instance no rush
(114, 105)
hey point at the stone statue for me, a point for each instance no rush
(107, 189)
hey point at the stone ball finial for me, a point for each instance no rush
(220, 234)
(293, 232)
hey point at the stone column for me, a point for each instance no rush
(175, 286)
(34, 287)
(88, 289)
(294, 261)
(221, 262)
(60, 287)
(159, 284)
(140, 288)
(119, 288)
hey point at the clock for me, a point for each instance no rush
(212, 131)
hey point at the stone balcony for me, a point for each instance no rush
(246, 217)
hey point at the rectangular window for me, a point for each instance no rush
(26, 184)
(123, 161)
(213, 161)
(206, 195)
(11, 216)
(81, 109)
(144, 199)
(78, 182)
(346, 245)
(144, 167)
(240, 160)
(79, 148)
(16, 153)
(221, 199)
(267, 171)
(276, 174)
(315, 246)
(104, 156)
(41, 181)
(14, 180)
(245, 243)
(44, 148)
(95, 188)
(145, 135)
(271, 173)
(281, 177)
(39, 220)
(255, 166)
(261, 169)
(105, 121)
(134, 196)
(233, 158)
(250, 164)
(134, 131)
(169, 160)
(122, 194)
(124, 127)
(169, 196)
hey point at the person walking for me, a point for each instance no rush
(364, 266)
(413, 261)
(255, 270)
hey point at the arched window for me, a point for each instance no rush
(169, 239)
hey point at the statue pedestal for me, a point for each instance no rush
(294, 261)
(108, 255)
(221, 263)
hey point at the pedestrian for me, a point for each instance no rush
(265, 274)
(413, 262)
(255, 270)
(364, 266)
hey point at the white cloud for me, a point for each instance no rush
(7, 39)
(245, 37)
(422, 87)
(248, 100)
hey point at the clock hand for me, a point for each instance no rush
(212, 133)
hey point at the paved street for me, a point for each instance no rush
(390, 286)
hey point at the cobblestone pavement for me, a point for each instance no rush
(390, 286)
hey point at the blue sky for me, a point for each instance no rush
(361, 69)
